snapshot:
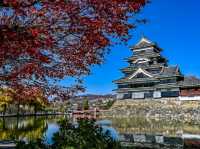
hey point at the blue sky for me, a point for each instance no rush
(173, 24)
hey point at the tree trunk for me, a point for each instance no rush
(4, 109)
(18, 106)
(17, 122)
(35, 110)
(4, 125)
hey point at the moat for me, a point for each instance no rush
(128, 130)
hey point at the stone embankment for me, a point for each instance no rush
(151, 141)
(166, 108)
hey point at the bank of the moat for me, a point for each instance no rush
(166, 108)
(135, 132)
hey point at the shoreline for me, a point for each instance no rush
(27, 115)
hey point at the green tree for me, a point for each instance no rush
(85, 104)
(87, 135)
(109, 104)
(38, 101)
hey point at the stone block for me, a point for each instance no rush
(159, 139)
(139, 138)
(150, 139)
(127, 137)
(173, 140)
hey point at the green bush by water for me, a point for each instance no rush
(85, 135)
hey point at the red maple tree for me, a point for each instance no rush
(46, 40)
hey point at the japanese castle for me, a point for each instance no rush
(148, 76)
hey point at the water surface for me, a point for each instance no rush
(29, 128)
(32, 128)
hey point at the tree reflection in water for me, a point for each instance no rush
(25, 128)
(155, 126)
(33, 128)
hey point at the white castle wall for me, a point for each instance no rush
(189, 98)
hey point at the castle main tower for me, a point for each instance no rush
(149, 76)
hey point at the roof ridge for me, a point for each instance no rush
(144, 39)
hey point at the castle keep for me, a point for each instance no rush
(148, 76)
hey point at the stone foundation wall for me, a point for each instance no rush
(156, 108)
(151, 141)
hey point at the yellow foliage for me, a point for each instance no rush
(5, 96)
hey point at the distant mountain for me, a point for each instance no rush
(93, 97)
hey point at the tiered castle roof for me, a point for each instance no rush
(149, 70)
(149, 61)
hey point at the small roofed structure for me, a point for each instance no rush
(149, 76)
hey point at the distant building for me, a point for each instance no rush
(149, 76)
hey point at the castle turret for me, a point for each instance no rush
(148, 74)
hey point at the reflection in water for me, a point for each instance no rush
(132, 129)
(155, 133)
(52, 128)
(26, 128)
(143, 125)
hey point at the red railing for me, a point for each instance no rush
(87, 114)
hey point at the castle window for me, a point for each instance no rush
(151, 63)
(148, 95)
(167, 81)
(170, 94)
(127, 96)
(123, 86)
(154, 71)
(141, 75)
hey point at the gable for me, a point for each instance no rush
(143, 41)
(140, 73)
